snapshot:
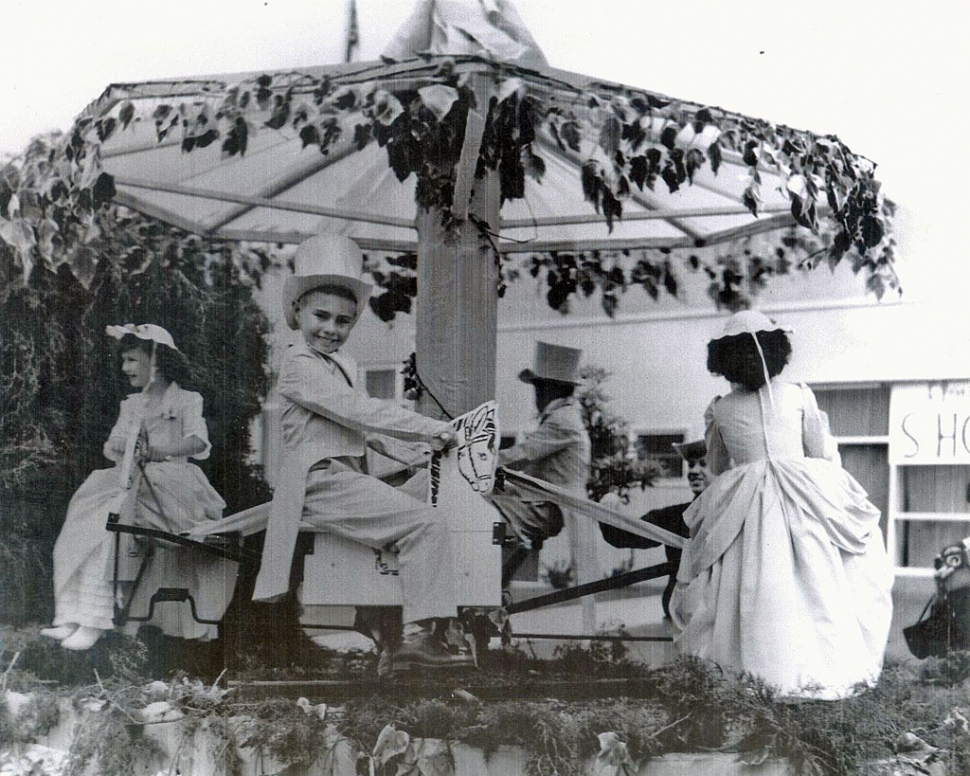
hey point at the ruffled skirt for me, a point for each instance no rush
(176, 498)
(787, 578)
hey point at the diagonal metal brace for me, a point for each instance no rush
(572, 593)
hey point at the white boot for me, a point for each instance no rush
(59, 632)
(83, 638)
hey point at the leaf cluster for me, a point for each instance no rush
(283, 730)
(397, 277)
(636, 140)
(625, 141)
(686, 706)
(560, 574)
(110, 744)
(614, 468)
(558, 736)
(34, 719)
(600, 659)
(740, 714)
(736, 272)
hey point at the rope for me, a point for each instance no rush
(424, 387)
(764, 369)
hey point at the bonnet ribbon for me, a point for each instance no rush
(764, 367)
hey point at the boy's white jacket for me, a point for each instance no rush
(323, 416)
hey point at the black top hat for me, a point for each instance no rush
(691, 451)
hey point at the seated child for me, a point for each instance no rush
(557, 451)
(323, 477)
(171, 494)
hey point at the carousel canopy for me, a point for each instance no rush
(282, 189)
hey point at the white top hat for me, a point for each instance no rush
(325, 260)
(144, 331)
(749, 322)
(554, 362)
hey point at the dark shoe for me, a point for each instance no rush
(423, 650)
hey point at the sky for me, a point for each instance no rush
(888, 79)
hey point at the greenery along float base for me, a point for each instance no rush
(917, 715)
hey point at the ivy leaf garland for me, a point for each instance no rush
(624, 140)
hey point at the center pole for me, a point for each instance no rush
(457, 304)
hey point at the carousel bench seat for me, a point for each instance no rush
(147, 561)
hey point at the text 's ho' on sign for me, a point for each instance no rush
(929, 424)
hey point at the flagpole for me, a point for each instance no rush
(353, 33)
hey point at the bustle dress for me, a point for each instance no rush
(786, 576)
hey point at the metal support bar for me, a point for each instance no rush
(597, 637)
(121, 613)
(238, 554)
(311, 626)
(572, 593)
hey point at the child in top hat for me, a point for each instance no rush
(786, 575)
(323, 477)
(558, 451)
(669, 518)
(161, 426)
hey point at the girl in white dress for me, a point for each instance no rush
(786, 575)
(171, 494)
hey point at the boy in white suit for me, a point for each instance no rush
(323, 478)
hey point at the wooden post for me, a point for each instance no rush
(457, 306)
(457, 300)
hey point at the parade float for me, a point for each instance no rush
(460, 162)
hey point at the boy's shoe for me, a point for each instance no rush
(423, 650)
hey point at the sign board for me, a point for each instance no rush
(929, 424)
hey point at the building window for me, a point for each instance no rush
(381, 383)
(659, 448)
(855, 411)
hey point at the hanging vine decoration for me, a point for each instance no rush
(52, 203)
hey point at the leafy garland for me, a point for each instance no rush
(909, 724)
(51, 206)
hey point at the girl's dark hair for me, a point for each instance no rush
(736, 358)
(170, 363)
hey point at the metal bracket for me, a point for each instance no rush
(175, 594)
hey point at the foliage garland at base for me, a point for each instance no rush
(688, 706)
